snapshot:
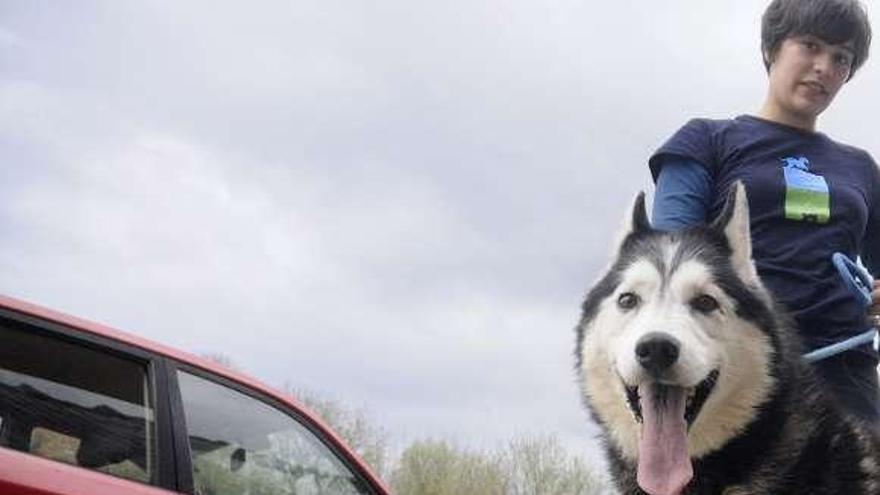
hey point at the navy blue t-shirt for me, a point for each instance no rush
(808, 198)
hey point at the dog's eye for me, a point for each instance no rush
(628, 300)
(704, 303)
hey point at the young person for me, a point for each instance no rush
(809, 196)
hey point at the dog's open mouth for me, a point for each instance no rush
(665, 413)
(696, 397)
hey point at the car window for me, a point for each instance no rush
(242, 445)
(75, 404)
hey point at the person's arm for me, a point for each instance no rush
(682, 195)
(870, 255)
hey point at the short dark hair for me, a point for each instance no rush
(833, 21)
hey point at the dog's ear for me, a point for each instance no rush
(640, 221)
(636, 220)
(733, 223)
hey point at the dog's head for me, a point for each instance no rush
(675, 343)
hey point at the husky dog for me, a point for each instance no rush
(696, 379)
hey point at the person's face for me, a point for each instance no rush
(806, 74)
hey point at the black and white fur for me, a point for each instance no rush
(764, 425)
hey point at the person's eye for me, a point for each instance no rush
(843, 60)
(810, 45)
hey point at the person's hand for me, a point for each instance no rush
(874, 308)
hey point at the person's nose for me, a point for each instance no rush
(823, 63)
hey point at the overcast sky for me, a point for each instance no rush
(399, 204)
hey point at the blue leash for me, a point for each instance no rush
(844, 345)
(860, 283)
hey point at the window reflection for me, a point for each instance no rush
(242, 445)
(75, 404)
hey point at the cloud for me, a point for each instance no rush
(8, 39)
(398, 203)
(374, 292)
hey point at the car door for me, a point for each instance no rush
(80, 413)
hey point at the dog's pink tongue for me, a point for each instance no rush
(664, 464)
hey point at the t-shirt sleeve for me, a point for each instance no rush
(871, 243)
(682, 195)
(693, 142)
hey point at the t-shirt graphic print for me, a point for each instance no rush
(806, 194)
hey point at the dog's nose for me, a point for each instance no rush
(656, 352)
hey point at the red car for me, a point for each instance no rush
(86, 409)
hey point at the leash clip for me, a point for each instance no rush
(855, 277)
(860, 283)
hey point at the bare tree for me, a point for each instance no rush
(540, 466)
(437, 468)
(353, 425)
(527, 466)
(222, 360)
